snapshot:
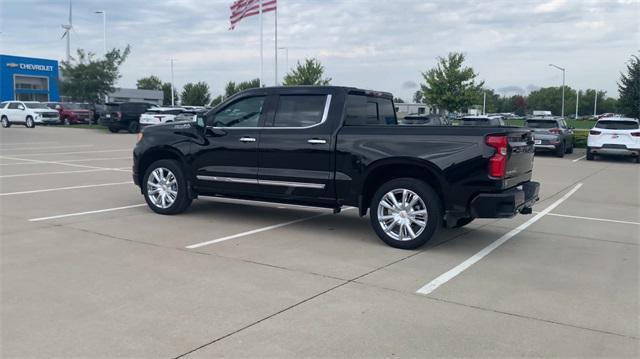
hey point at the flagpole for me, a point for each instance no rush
(276, 47)
(261, 52)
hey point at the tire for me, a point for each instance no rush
(5, 122)
(570, 149)
(114, 129)
(590, 155)
(560, 150)
(134, 127)
(67, 122)
(463, 222)
(404, 191)
(177, 183)
(29, 123)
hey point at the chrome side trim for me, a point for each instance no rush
(325, 115)
(227, 179)
(291, 184)
(261, 182)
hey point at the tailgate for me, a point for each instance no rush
(520, 156)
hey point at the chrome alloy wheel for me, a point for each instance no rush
(402, 214)
(162, 187)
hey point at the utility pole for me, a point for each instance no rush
(563, 70)
(595, 104)
(104, 30)
(484, 102)
(577, 99)
(172, 96)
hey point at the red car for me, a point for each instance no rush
(71, 113)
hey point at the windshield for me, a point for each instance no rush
(36, 105)
(617, 125)
(541, 124)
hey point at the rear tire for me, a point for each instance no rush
(5, 122)
(412, 209)
(165, 178)
(134, 127)
(570, 149)
(560, 150)
(114, 129)
(590, 155)
(29, 123)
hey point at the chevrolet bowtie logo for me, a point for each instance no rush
(12, 65)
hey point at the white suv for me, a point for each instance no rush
(158, 115)
(615, 136)
(27, 113)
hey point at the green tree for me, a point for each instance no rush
(149, 83)
(550, 99)
(216, 101)
(398, 100)
(629, 89)
(89, 79)
(450, 85)
(232, 88)
(309, 73)
(196, 94)
(492, 100)
(166, 92)
(417, 97)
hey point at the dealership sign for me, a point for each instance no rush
(35, 67)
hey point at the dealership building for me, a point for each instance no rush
(28, 79)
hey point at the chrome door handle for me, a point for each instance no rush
(247, 139)
(316, 141)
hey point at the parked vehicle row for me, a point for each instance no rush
(132, 116)
(27, 113)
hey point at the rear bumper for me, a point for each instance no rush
(619, 150)
(506, 204)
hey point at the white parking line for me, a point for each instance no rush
(59, 163)
(27, 143)
(579, 158)
(66, 161)
(42, 148)
(85, 213)
(593, 219)
(64, 188)
(453, 272)
(57, 173)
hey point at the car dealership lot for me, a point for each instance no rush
(89, 270)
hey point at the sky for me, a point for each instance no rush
(373, 44)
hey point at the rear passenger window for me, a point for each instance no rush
(362, 111)
(299, 110)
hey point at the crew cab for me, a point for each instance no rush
(614, 136)
(552, 134)
(158, 115)
(71, 113)
(27, 113)
(124, 116)
(331, 147)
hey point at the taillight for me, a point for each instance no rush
(498, 162)
(555, 131)
(595, 133)
(635, 134)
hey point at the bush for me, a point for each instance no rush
(581, 138)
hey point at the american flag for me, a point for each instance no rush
(245, 8)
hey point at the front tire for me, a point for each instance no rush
(29, 123)
(405, 213)
(5, 122)
(165, 188)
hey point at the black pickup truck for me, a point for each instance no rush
(331, 147)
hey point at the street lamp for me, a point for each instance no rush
(104, 29)
(172, 96)
(563, 70)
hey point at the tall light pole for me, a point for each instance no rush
(595, 103)
(172, 96)
(577, 99)
(104, 30)
(484, 102)
(286, 56)
(563, 70)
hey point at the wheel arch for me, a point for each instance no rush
(160, 153)
(388, 169)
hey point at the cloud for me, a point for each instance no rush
(370, 44)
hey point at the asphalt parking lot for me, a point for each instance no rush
(88, 270)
